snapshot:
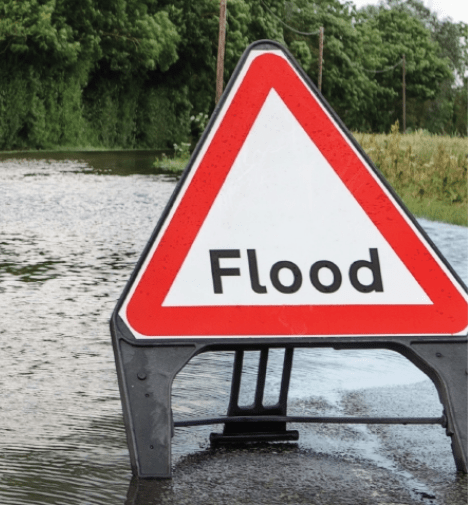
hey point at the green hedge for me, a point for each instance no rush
(75, 108)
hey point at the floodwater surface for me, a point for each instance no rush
(72, 227)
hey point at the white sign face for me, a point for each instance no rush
(284, 201)
(281, 227)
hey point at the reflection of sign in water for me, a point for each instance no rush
(281, 234)
(282, 227)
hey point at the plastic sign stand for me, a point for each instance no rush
(282, 233)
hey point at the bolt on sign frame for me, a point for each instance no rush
(281, 233)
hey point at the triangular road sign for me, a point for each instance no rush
(281, 226)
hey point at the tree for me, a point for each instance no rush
(130, 72)
(346, 85)
(59, 54)
(198, 26)
(451, 37)
(403, 34)
(127, 34)
(441, 113)
(357, 44)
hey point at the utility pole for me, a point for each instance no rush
(221, 51)
(404, 95)
(320, 59)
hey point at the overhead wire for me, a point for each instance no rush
(317, 32)
(382, 71)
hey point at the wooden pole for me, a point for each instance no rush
(404, 95)
(221, 51)
(320, 59)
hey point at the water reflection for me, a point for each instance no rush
(30, 273)
(122, 163)
(71, 232)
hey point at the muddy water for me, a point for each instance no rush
(72, 227)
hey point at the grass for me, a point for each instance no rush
(168, 164)
(429, 172)
(436, 210)
(178, 162)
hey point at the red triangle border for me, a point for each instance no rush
(145, 313)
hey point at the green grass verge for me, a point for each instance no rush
(436, 210)
(428, 172)
(174, 165)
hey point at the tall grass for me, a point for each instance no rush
(429, 172)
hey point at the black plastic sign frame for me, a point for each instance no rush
(154, 343)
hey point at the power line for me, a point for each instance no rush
(317, 32)
(378, 71)
(286, 25)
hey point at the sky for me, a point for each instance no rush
(457, 10)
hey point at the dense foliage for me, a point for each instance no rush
(131, 73)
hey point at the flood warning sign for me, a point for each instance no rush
(282, 226)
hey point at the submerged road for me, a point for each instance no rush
(330, 465)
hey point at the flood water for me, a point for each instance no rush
(72, 227)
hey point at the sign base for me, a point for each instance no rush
(146, 373)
